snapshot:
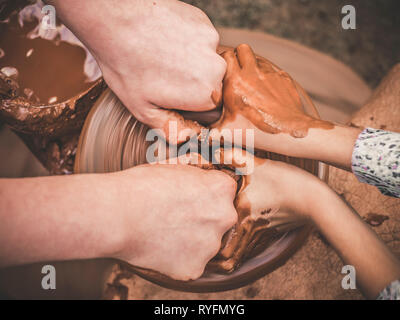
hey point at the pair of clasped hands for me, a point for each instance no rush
(158, 56)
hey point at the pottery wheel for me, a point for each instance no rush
(337, 92)
(113, 140)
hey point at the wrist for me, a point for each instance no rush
(124, 235)
(107, 214)
(322, 203)
(307, 192)
(285, 143)
(331, 146)
(59, 218)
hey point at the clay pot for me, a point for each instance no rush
(50, 129)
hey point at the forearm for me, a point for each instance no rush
(333, 146)
(376, 267)
(97, 22)
(54, 218)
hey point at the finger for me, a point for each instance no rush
(276, 68)
(193, 159)
(204, 94)
(246, 56)
(302, 94)
(205, 118)
(216, 96)
(236, 158)
(232, 63)
(224, 184)
(267, 66)
(196, 160)
(220, 69)
(230, 218)
(168, 124)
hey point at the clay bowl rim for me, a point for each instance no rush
(18, 100)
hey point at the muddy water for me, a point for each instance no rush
(41, 77)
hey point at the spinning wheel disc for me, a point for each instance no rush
(113, 140)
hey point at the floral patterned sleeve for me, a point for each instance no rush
(376, 160)
(391, 292)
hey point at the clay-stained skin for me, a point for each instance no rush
(252, 228)
(265, 95)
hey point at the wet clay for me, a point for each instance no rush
(48, 83)
(265, 95)
(253, 232)
(46, 71)
(375, 219)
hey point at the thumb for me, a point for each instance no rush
(242, 160)
(169, 124)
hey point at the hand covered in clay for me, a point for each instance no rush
(155, 55)
(182, 212)
(258, 95)
(267, 188)
(268, 202)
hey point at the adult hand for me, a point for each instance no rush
(274, 190)
(168, 218)
(155, 55)
(175, 217)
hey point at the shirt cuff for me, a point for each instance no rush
(376, 160)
